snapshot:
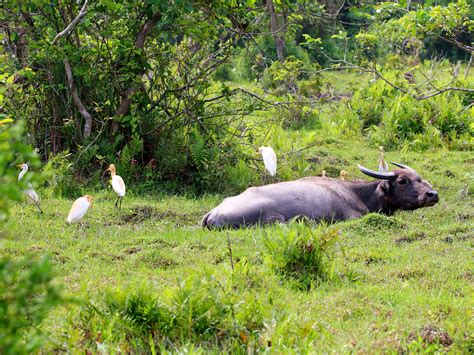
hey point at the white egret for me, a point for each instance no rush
(79, 209)
(269, 159)
(30, 193)
(383, 166)
(117, 184)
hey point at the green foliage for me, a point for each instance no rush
(59, 175)
(301, 254)
(201, 309)
(392, 118)
(282, 77)
(368, 44)
(444, 30)
(27, 295)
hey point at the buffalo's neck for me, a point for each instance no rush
(370, 196)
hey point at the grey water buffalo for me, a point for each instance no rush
(324, 199)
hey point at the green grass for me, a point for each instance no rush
(404, 282)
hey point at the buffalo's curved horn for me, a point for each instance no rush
(385, 176)
(403, 166)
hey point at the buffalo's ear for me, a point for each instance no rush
(384, 186)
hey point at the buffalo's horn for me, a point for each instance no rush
(403, 166)
(385, 176)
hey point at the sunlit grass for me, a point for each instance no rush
(395, 275)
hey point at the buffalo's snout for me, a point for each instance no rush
(432, 197)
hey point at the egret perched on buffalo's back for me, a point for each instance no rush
(383, 166)
(269, 159)
(30, 193)
(79, 209)
(117, 184)
(343, 174)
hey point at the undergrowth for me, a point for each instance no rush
(301, 254)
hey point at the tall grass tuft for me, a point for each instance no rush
(301, 254)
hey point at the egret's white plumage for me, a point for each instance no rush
(117, 184)
(30, 192)
(383, 166)
(24, 169)
(269, 159)
(79, 208)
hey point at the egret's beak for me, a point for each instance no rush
(19, 165)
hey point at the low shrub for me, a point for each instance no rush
(300, 254)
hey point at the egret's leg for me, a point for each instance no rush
(37, 205)
(121, 198)
(116, 201)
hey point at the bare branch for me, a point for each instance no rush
(73, 24)
(441, 91)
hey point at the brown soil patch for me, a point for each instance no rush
(432, 335)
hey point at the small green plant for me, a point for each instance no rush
(27, 295)
(302, 254)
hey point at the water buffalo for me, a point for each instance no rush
(327, 199)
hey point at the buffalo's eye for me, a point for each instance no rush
(402, 181)
(418, 180)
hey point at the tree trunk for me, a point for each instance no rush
(126, 99)
(77, 101)
(279, 39)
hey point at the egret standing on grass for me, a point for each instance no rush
(269, 159)
(383, 166)
(117, 184)
(79, 209)
(30, 193)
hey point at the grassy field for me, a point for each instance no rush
(401, 283)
